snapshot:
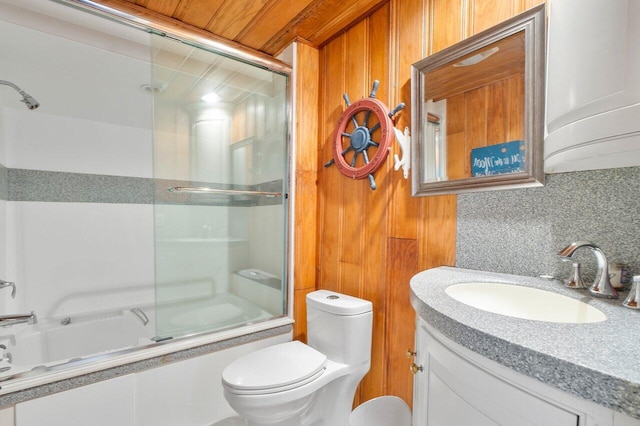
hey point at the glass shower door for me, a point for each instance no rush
(220, 162)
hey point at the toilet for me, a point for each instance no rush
(297, 384)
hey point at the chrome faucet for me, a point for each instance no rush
(601, 286)
(4, 284)
(7, 320)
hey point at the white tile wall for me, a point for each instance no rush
(4, 294)
(186, 393)
(69, 258)
(266, 227)
(189, 392)
(73, 79)
(41, 141)
(107, 403)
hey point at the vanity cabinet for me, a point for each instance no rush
(453, 390)
(457, 387)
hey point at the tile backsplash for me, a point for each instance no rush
(520, 231)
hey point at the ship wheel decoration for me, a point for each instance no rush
(363, 136)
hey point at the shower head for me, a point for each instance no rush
(28, 100)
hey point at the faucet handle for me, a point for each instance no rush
(633, 298)
(602, 287)
(4, 284)
(575, 279)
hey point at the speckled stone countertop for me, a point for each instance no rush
(599, 362)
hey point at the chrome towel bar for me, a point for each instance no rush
(205, 190)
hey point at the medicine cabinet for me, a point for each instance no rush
(478, 110)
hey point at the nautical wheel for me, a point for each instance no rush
(363, 136)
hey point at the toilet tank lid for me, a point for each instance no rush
(337, 303)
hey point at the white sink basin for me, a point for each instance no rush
(524, 302)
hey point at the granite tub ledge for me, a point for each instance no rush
(599, 362)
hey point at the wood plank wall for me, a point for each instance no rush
(307, 86)
(370, 243)
(480, 117)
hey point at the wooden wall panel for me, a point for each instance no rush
(448, 24)
(455, 20)
(329, 180)
(498, 116)
(456, 137)
(410, 34)
(476, 124)
(370, 243)
(484, 14)
(515, 108)
(372, 247)
(523, 5)
(403, 264)
(375, 216)
(437, 232)
(352, 191)
(307, 87)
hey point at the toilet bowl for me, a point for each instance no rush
(297, 384)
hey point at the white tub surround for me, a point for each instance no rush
(186, 393)
(124, 270)
(597, 361)
(74, 375)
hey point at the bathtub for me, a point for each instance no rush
(55, 342)
(223, 311)
(59, 340)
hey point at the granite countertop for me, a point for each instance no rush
(599, 361)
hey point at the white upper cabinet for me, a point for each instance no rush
(593, 85)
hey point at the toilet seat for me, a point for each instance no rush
(274, 369)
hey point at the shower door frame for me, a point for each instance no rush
(221, 46)
(135, 356)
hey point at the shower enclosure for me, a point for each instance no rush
(145, 200)
(220, 161)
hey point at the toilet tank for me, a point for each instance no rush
(340, 326)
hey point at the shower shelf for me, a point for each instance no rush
(205, 190)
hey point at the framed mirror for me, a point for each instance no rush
(478, 111)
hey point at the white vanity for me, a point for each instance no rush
(485, 365)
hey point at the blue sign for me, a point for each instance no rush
(498, 159)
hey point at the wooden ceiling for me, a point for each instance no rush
(264, 25)
(452, 78)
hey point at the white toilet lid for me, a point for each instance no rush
(277, 366)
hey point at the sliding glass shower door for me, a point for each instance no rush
(220, 162)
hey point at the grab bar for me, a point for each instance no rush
(144, 319)
(6, 357)
(7, 320)
(205, 190)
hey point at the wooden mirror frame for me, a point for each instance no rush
(532, 23)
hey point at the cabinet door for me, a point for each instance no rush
(593, 90)
(446, 407)
(456, 392)
(419, 381)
